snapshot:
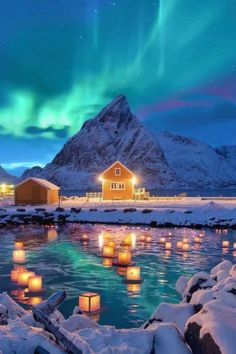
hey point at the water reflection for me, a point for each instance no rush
(70, 257)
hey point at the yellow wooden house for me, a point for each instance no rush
(118, 182)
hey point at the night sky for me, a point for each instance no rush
(63, 60)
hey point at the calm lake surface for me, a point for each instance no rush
(64, 260)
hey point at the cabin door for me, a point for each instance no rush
(36, 194)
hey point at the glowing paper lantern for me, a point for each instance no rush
(148, 239)
(107, 251)
(142, 238)
(197, 239)
(111, 244)
(234, 245)
(162, 240)
(89, 302)
(124, 257)
(168, 245)
(185, 240)
(19, 256)
(19, 244)
(185, 247)
(179, 244)
(23, 277)
(127, 241)
(85, 237)
(133, 273)
(35, 283)
(225, 243)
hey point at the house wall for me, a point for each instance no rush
(53, 196)
(125, 176)
(31, 192)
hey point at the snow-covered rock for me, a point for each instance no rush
(197, 163)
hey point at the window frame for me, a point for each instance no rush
(117, 186)
(117, 169)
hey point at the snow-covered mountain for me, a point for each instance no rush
(6, 177)
(199, 164)
(114, 134)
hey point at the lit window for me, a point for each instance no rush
(117, 171)
(117, 185)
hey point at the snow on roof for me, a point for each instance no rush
(42, 182)
(114, 165)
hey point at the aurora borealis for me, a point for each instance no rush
(63, 60)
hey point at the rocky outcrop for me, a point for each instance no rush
(6, 177)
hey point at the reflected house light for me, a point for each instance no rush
(89, 302)
(52, 235)
(225, 243)
(35, 283)
(85, 237)
(124, 257)
(168, 245)
(108, 251)
(18, 256)
(23, 278)
(100, 241)
(19, 244)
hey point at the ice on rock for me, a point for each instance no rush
(225, 266)
(201, 280)
(174, 313)
(201, 297)
(221, 275)
(232, 271)
(167, 340)
(77, 322)
(14, 311)
(181, 285)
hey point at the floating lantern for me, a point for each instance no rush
(111, 244)
(197, 239)
(16, 271)
(179, 244)
(148, 239)
(133, 288)
(23, 277)
(107, 251)
(89, 302)
(169, 233)
(202, 234)
(19, 256)
(225, 243)
(142, 238)
(234, 245)
(107, 262)
(185, 240)
(168, 245)
(35, 283)
(127, 241)
(121, 271)
(133, 274)
(162, 240)
(85, 237)
(124, 257)
(185, 247)
(19, 245)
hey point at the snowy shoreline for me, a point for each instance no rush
(203, 322)
(189, 212)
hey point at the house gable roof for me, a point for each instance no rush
(116, 162)
(43, 182)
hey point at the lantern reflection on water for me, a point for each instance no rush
(52, 235)
(133, 288)
(35, 283)
(107, 262)
(234, 245)
(18, 256)
(185, 247)
(179, 244)
(34, 300)
(197, 239)
(89, 302)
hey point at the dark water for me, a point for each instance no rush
(168, 192)
(65, 261)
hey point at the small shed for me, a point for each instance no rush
(118, 182)
(36, 191)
